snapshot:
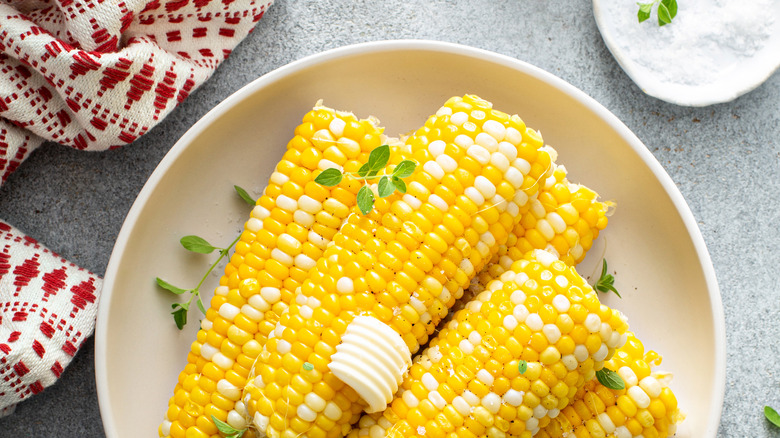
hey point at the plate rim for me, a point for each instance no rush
(245, 92)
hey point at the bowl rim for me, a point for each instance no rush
(700, 96)
(374, 47)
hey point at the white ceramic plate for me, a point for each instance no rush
(663, 269)
(734, 65)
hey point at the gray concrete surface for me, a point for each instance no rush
(725, 159)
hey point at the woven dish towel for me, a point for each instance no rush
(92, 75)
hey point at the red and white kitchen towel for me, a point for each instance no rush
(92, 75)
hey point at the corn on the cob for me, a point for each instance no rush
(468, 382)
(404, 264)
(564, 219)
(646, 407)
(287, 232)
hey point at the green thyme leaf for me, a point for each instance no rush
(228, 430)
(664, 17)
(179, 315)
(666, 11)
(606, 282)
(610, 379)
(671, 5)
(377, 162)
(169, 287)
(644, 11)
(522, 367)
(772, 415)
(308, 366)
(378, 158)
(200, 305)
(404, 169)
(245, 196)
(329, 177)
(385, 187)
(364, 169)
(399, 184)
(365, 200)
(197, 244)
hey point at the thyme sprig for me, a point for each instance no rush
(369, 171)
(198, 245)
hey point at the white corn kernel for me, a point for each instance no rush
(430, 382)
(479, 154)
(410, 399)
(561, 303)
(601, 353)
(437, 400)
(545, 229)
(487, 141)
(309, 204)
(485, 377)
(228, 389)
(437, 147)
(552, 332)
(534, 322)
(305, 262)
(606, 423)
(259, 303)
(461, 405)
(283, 347)
(345, 285)
(639, 396)
(228, 311)
(495, 129)
(252, 313)
(474, 195)
(459, 118)
(491, 402)
(485, 187)
(254, 224)
(222, 361)
(513, 135)
(518, 296)
(208, 351)
(514, 397)
(463, 140)
(305, 413)
(522, 165)
(270, 294)
(282, 257)
(500, 160)
(337, 126)
(651, 385)
(508, 150)
(434, 170)
(315, 402)
(592, 323)
(556, 222)
(447, 163)
(260, 212)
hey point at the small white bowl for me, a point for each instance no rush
(719, 68)
(668, 284)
